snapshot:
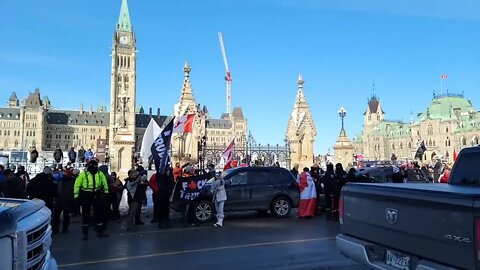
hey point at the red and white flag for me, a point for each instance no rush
(443, 76)
(229, 151)
(184, 124)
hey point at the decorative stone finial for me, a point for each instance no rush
(300, 80)
(187, 69)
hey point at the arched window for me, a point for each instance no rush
(418, 132)
(433, 142)
(66, 146)
(33, 132)
(464, 141)
(430, 129)
(446, 129)
(128, 65)
(409, 145)
(476, 140)
(118, 62)
(16, 144)
(393, 146)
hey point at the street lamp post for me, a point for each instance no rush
(124, 98)
(342, 113)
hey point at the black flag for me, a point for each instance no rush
(160, 148)
(420, 151)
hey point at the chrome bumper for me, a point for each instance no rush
(356, 250)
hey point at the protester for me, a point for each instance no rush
(294, 171)
(397, 176)
(165, 186)
(81, 155)
(115, 194)
(43, 187)
(63, 204)
(352, 175)
(22, 174)
(152, 183)
(444, 177)
(341, 177)
(72, 155)
(330, 186)
(88, 155)
(13, 186)
(136, 185)
(90, 187)
(58, 155)
(308, 195)
(33, 155)
(177, 171)
(219, 198)
(437, 170)
(188, 213)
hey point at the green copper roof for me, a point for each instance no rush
(124, 23)
(443, 107)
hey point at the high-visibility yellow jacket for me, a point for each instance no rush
(85, 182)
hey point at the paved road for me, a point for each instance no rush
(247, 241)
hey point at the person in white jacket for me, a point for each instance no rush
(219, 198)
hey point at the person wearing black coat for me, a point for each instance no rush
(58, 155)
(342, 178)
(13, 186)
(64, 202)
(43, 187)
(330, 186)
(165, 186)
(33, 155)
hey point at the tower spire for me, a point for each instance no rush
(124, 23)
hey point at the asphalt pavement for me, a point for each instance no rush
(247, 241)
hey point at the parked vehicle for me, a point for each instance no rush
(262, 189)
(384, 174)
(415, 226)
(25, 235)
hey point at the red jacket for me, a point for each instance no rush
(445, 177)
(153, 183)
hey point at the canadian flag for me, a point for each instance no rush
(228, 153)
(184, 124)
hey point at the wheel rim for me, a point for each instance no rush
(204, 211)
(282, 207)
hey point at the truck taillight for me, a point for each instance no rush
(477, 237)
(341, 209)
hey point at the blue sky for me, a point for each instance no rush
(339, 46)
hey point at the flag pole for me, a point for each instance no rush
(441, 84)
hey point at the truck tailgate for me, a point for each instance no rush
(435, 224)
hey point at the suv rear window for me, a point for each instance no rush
(466, 170)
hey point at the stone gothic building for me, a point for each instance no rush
(33, 122)
(301, 130)
(449, 124)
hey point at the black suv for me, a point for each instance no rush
(262, 189)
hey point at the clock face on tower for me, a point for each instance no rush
(125, 40)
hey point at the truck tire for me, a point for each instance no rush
(204, 211)
(281, 207)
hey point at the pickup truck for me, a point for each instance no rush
(415, 226)
(25, 235)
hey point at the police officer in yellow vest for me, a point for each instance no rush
(90, 188)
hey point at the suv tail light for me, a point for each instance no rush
(477, 237)
(341, 209)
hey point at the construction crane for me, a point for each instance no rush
(228, 76)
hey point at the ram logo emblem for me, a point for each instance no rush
(392, 215)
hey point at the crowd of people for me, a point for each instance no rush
(69, 192)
